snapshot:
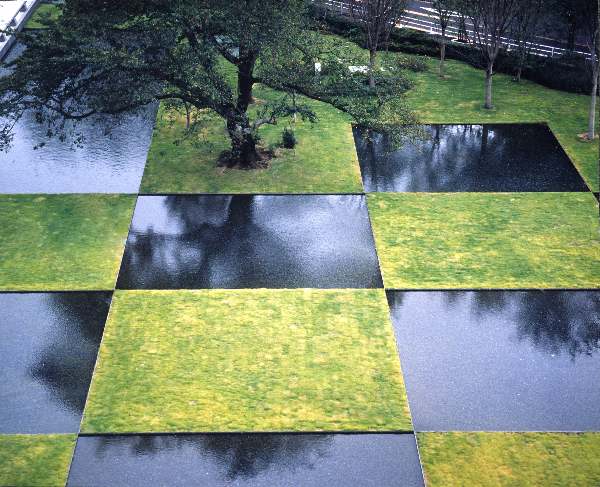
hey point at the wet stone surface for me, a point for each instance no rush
(246, 460)
(500, 360)
(48, 348)
(179, 242)
(110, 158)
(452, 158)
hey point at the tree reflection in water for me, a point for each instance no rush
(250, 241)
(553, 321)
(237, 456)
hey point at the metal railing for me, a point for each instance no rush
(429, 23)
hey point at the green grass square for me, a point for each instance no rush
(324, 161)
(62, 242)
(510, 459)
(247, 360)
(35, 460)
(487, 240)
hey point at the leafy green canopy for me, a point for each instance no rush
(113, 57)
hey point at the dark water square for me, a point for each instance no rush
(48, 348)
(245, 241)
(247, 460)
(500, 360)
(462, 158)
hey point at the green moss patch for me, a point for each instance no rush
(510, 459)
(324, 161)
(35, 460)
(249, 360)
(43, 11)
(62, 242)
(487, 240)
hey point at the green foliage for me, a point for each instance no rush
(45, 14)
(62, 242)
(510, 459)
(487, 240)
(288, 138)
(35, 460)
(197, 361)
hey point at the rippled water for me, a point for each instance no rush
(110, 160)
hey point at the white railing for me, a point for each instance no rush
(428, 23)
(13, 15)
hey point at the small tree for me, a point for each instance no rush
(525, 29)
(491, 21)
(445, 9)
(590, 20)
(378, 18)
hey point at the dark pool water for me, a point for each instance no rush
(500, 157)
(48, 348)
(500, 360)
(179, 242)
(111, 158)
(246, 460)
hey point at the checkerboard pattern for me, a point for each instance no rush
(380, 339)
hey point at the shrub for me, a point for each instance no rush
(288, 138)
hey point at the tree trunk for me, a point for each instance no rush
(245, 83)
(442, 57)
(188, 119)
(244, 153)
(592, 116)
(372, 64)
(488, 87)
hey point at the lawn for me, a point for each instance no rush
(324, 161)
(62, 242)
(510, 459)
(247, 360)
(487, 240)
(35, 460)
(44, 10)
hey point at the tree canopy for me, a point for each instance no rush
(104, 57)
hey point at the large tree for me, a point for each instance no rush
(105, 57)
(378, 18)
(491, 21)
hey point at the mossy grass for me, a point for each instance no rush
(45, 9)
(487, 240)
(510, 459)
(247, 360)
(62, 242)
(323, 161)
(35, 460)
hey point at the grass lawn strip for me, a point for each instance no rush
(510, 459)
(248, 360)
(62, 242)
(35, 460)
(41, 11)
(487, 240)
(324, 161)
